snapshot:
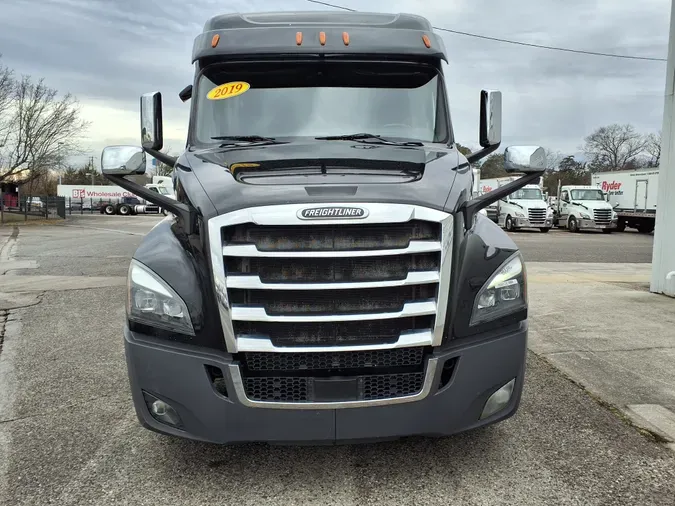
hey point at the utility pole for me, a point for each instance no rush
(663, 259)
(60, 168)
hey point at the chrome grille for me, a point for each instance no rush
(602, 216)
(537, 216)
(291, 286)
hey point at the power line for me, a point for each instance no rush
(514, 42)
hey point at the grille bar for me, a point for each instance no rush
(254, 282)
(259, 314)
(249, 250)
(406, 339)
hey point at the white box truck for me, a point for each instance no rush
(632, 194)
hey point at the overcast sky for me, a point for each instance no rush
(108, 52)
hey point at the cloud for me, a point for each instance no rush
(109, 53)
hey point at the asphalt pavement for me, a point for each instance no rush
(68, 434)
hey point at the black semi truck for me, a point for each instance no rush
(324, 273)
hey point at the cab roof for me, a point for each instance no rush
(298, 33)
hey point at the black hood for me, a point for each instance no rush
(316, 171)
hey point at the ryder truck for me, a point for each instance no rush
(325, 272)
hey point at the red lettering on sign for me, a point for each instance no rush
(613, 186)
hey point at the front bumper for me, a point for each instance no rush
(177, 375)
(526, 223)
(593, 225)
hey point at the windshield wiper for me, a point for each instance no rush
(368, 139)
(249, 139)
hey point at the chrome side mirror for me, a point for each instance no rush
(526, 159)
(490, 118)
(151, 121)
(122, 160)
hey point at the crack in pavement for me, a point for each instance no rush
(582, 350)
(118, 396)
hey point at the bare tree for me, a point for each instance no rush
(162, 169)
(39, 126)
(653, 149)
(6, 89)
(553, 159)
(612, 147)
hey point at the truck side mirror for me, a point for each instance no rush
(151, 121)
(526, 159)
(122, 160)
(490, 118)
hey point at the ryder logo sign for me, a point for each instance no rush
(613, 188)
(332, 213)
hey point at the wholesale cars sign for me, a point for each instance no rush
(75, 191)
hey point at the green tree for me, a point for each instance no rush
(493, 166)
(568, 172)
(463, 149)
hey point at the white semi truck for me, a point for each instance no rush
(632, 194)
(584, 208)
(525, 208)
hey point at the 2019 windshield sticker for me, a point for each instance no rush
(228, 90)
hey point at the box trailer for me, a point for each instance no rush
(111, 199)
(632, 194)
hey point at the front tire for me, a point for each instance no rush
(606, 231)
(572, 224)
(544, 230)
(508, 224)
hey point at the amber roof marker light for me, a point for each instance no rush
(215, 40)
(298, 38)
(345, 38)
(322, 38)
(426, 40)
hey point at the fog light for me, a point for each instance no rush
(162, 411)
(498, 400)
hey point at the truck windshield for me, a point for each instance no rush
(285, 99)
(528, 194)
(587, 195)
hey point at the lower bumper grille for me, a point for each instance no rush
(304, 389)
(335, 362)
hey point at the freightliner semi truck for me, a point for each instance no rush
(325, 273)
(584, 208)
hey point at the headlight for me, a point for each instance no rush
(519, 214)
(153, 302)
(504, 293)
(584, 215)
(549, 213)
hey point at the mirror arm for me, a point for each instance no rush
(471, 207)
(162, 157)
(478, 155)
(184, 211)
